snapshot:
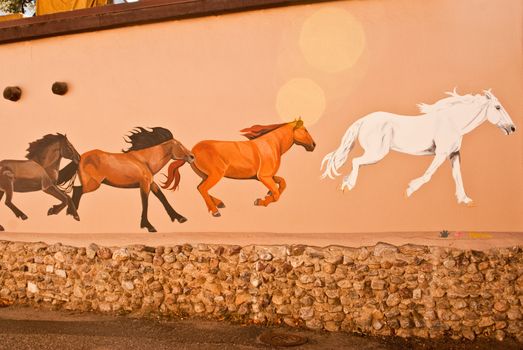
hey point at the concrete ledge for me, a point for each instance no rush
(462, 240)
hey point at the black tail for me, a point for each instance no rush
(67, 173)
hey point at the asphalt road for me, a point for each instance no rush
(27, 328)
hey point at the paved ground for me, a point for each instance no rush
(26, 328)
(462, 240)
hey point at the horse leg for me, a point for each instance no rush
(455, 159)
(415, 184)
(1, 195)
(8, 189)
(373, 153)
(88, 184)
(218, 202)
(282, 185)
(274, 191)
(204, 188)
(170, 210)
(66, 201)
(77, 195)
(145, 188)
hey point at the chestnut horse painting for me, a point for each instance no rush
(134, 168)
(259, 159)
(40, 172)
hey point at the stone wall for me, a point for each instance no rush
(383, 290)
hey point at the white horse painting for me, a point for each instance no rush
(438, 131)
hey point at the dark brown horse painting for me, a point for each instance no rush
(134, 168)
(40, 172)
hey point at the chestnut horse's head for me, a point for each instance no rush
(180, 152)
(302, 137)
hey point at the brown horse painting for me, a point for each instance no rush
(40, 172)
(259, 158)
(134, 168)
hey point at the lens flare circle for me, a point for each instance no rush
(301, 97)
(332, 40)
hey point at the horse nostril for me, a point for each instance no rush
(513, 128)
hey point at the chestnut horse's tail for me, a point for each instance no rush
(173, 175)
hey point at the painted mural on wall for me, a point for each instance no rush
(135, 167)
(150, 150)
(438, 132)
(332, 64)
(258, 159)
(40, 172)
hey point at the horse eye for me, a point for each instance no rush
(498, 107)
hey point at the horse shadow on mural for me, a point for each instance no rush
(135, 167)
(40, 172)
(438, 131)
(258, 159)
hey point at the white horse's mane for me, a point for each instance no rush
(448, 102)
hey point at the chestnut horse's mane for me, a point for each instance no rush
(141, 138)
(256, 131)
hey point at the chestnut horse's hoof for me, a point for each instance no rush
(221, 205)
(217, 214)
(2, 228)
(257, 202)
(181, 219)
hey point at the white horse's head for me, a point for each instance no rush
(497, 115)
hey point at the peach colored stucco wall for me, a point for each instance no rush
(207, 78)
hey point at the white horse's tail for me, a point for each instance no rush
(337, 158)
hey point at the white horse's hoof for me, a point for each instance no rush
(409, 192)
(467, 201)
(470, 203)
(344, 187)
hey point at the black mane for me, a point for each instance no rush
(40, 145)
(141, 138)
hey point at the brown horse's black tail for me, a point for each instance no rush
(67, 173)
(173, 175)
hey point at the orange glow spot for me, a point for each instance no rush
(332, 40)
(303, 98)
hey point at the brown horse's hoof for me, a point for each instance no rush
(182, 219)
(23, 217)
(51, 211)
(151, 229)
(76, 217)
(2, 228)
(217, 214)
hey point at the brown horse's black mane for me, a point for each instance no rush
(256, 131)
(40, 145)
(141, 138)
